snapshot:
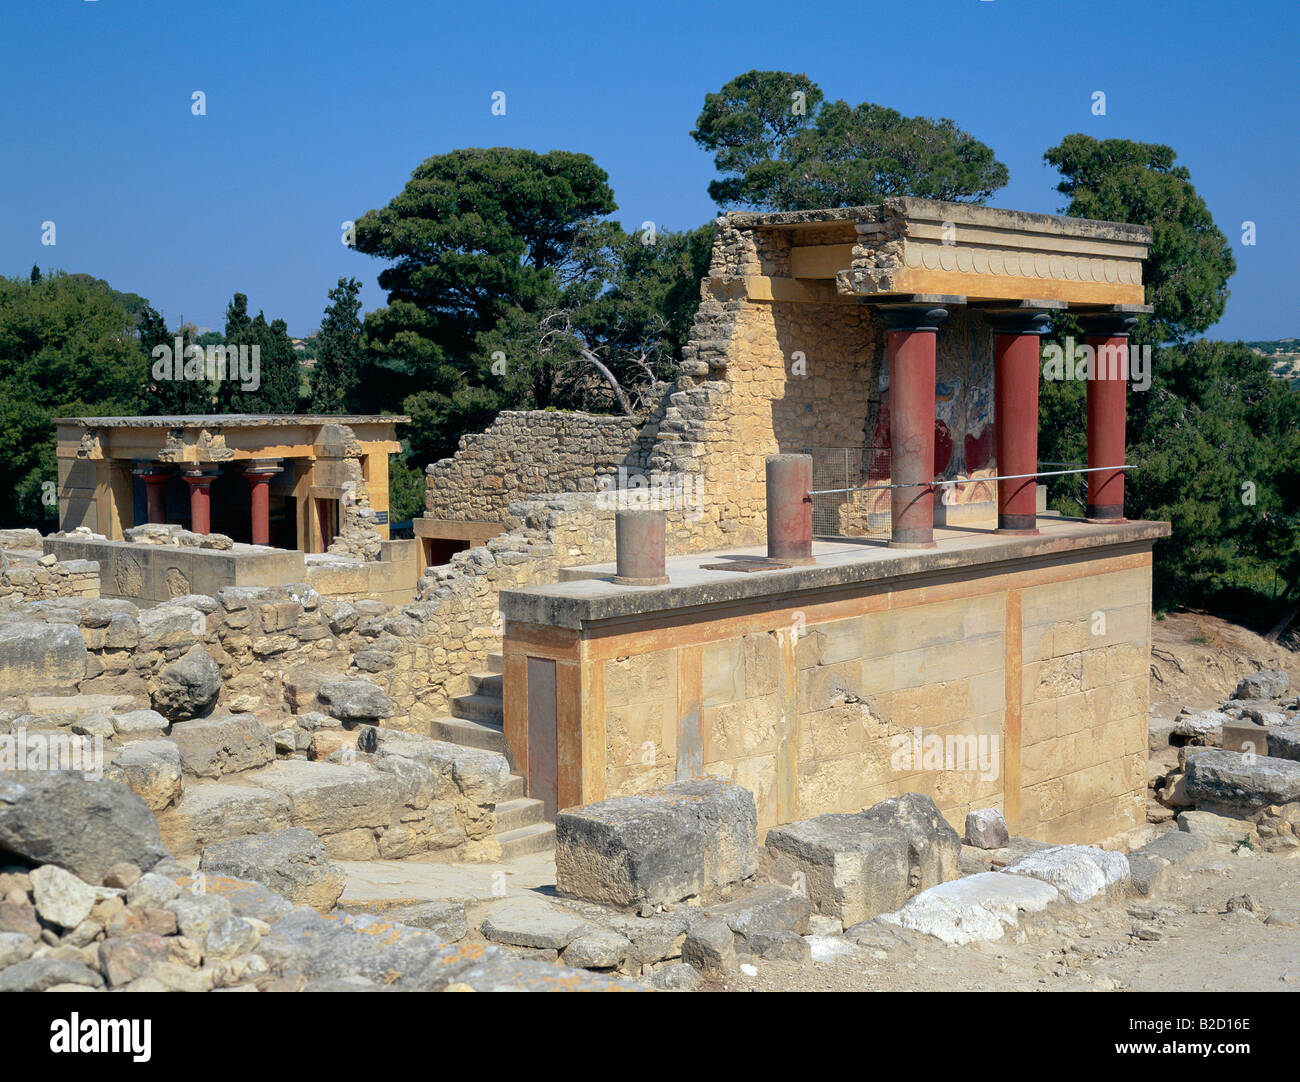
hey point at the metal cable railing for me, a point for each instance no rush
(861, 510)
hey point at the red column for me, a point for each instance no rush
(155, 487)
(789, 509)
(200, 500)
(259, 479)
(1107, 383)
(1015, 415)
(912, 330)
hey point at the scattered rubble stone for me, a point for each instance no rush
(711, 948)
(292, 862)
(150, 768)
(857, 866)
(42, 974)
(80, 823)
(1265, 684)
(188, 686)
(61, 898)
(987, 829)
(675, 977)
(596, 949)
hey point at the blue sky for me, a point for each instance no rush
(318, 111)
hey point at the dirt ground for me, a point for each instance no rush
(1182, 939)
(1197, 659)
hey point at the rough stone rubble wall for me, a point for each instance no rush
(525, 453)
(27, 576)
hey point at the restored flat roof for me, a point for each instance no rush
(231, 420)
(588, 596)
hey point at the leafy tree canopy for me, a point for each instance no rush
(68, 347)
(1190, 260)
(780, 146)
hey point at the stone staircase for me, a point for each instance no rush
(478, 721)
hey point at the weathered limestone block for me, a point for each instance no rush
(225, 744)
(355, 700)
(479, 776)
(41, 657)
(326, 798)
(139, 725)
(188, 686)
(765, 909)
(291, 862)
(975, 908)
(1265, 684)
(857, 866)
(685, 839)
(150, 768)
(83, 824)
(1228, 780)
(1284, 742)
(1215, 829)
(216, 811)
(1080, 872)
(536, 924)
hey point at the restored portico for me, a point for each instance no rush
(284, 481)
(898, 348)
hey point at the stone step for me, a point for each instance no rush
(536, 838)
(478, 708)
(523, 812)
(516, 787)
(469, 733)
(487, 683)
(496, 662)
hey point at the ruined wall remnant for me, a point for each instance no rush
(527, 453)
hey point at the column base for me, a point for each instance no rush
(624, 580)
(800, 560)
(1024, 525)
(1104, 513)
(913, 544)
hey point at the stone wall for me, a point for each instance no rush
(527, 453)
(1023, 688)
(46, 579)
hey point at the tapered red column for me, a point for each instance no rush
(912, 330)
(200, 481)
(1015, 416)
(259, 476)
(1107, 413)
(155, 491)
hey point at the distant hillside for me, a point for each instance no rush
(1285, 353)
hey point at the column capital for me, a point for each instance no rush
(149, 470)
(1019, 321)
(263, 467)
(912, 317)
(1107, 324)
(200, 476)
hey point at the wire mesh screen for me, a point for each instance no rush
(858, 513)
